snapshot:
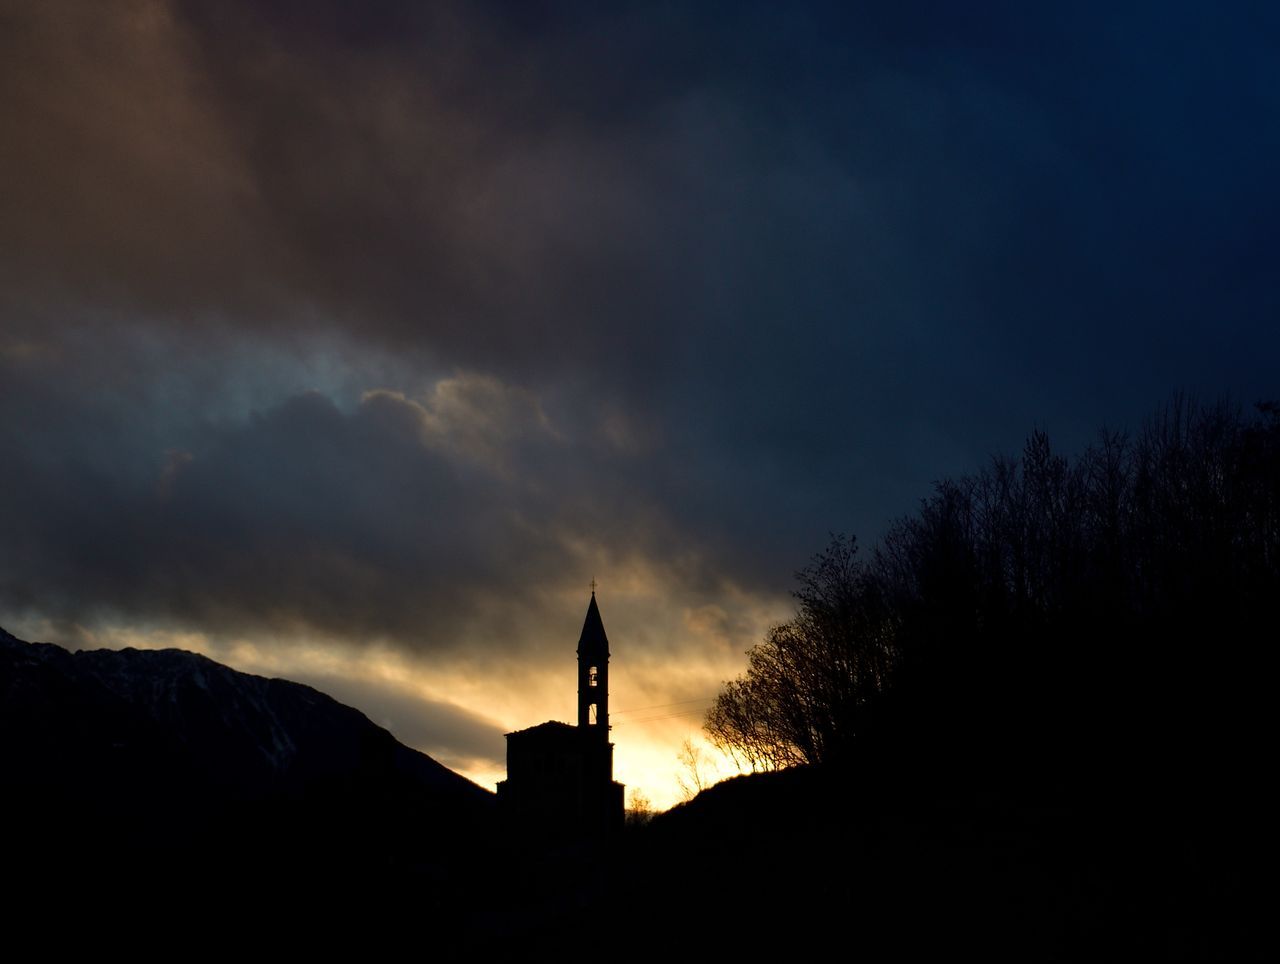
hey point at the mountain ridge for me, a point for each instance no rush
(165, 776)
(268, 728)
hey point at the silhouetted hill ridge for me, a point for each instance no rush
(250, 735)
(172, 773)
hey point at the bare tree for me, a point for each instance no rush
(808, 683)
(697, 772)
(1143, 572)
(639, 808)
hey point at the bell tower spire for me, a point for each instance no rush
(593, 672)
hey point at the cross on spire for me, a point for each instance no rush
(593, 585)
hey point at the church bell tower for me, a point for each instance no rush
(593, 674)
(559, 781)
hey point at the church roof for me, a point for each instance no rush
(593, 642)
(551, 728)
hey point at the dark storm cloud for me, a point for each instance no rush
(763, 271)
(423, 522)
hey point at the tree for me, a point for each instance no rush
(1103, 609)
(697, 770)
(640, 809)
(809, 684)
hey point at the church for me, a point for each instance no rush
(560, 777)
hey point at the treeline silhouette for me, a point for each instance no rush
(1110, 612)
(1113, 608)
(1035, 712)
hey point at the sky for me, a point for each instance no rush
(350, 342)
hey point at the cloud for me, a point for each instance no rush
(724, 280)
(650, 209)
(428, 521)
(802, 262)
(394, 325)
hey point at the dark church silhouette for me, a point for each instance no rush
(560, 777)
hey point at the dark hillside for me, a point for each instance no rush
(165, 772)
(886, 859)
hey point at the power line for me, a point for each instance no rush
(655, 719)
(663, 706)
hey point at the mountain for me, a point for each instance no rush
(153, 766)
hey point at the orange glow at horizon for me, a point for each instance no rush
(661, 688)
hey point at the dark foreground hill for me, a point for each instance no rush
(164, 772)
(885, 861)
